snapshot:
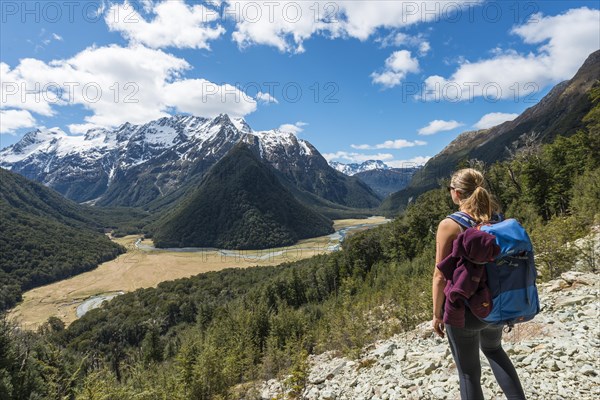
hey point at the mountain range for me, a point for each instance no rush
(355, 168)
(161, 166)
(559, 113)
(154, 164)
(383, 179)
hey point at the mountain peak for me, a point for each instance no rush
(95, 133)
(355, 168)
(222, 119)
(592, 61)
(241, 124)
(240, 204)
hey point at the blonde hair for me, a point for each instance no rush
(474, 198)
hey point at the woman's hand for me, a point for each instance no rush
(438, 326)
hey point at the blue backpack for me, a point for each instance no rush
(511, 276)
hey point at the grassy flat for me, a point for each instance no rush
(146, 268)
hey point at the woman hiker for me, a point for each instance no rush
(467, 191)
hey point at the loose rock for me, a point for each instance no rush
(555, 356)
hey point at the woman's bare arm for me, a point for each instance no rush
(447, 231)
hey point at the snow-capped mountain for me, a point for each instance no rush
(354, 168)
(135, 164)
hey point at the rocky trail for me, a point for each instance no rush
(557, 356)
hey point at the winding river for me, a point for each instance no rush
(335, 241)
(95, 302)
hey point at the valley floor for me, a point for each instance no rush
(143, 267)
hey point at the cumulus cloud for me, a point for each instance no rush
(493, 119)
(397, 66)
(202, 97)
(293, 128)
(147, 5)
(11, 120)
(398, 39)
(117, 84)
(439, 125)
(564, 41)
(286, 25)
(81, 128)
(175, 24)
(389, 144)
(266, 98)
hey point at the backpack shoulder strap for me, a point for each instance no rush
(498, 217)
(463, 219)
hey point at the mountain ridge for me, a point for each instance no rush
(240, 204)
(560, 112)
(355, 168)
(44, 237)
(134, 165)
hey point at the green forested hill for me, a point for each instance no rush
(319, 204)
(239, 204)
(44, 237)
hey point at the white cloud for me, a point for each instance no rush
(564, 42)
(148, 5)
(81, 128)
(117, 84)
(424, 48)
(293, 128)
(389, 144)
(412, 162)
(266, 98)
(44, 39)
(287, 24)
(397, 66)
(402, 39)
(11, 120)
(439, 125)
(493, 119)
(357, 157)
(175, 24)
(202, 97)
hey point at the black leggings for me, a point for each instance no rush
(465, 343)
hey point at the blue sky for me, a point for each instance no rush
(389, 80)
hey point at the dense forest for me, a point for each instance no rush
(212, 335)
(240, 204)
(45, 237)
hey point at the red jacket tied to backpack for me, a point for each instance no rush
(465, 273)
